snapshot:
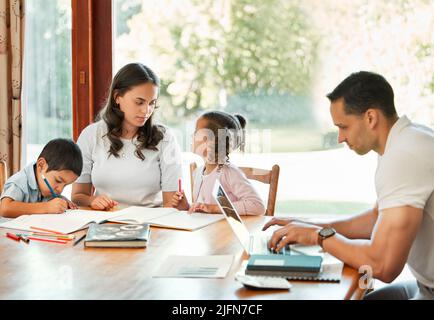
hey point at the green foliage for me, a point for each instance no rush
(260, 47)
(124, 11)
(48, 70)
(272, 109)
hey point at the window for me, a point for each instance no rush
(274, 62)
(47, 75)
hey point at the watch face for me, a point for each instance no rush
(327, 232)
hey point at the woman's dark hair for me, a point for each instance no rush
(62, 154)
(228, 129)
(363, 90)
(149, 135)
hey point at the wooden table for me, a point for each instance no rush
(55, 271)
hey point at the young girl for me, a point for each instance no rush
(217, 134)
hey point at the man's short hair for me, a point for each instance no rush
(63, 154)
(363, 90)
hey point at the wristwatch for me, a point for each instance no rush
(325, 233)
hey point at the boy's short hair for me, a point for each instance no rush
(63, 154)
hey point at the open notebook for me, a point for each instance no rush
(74, 220)
(166, 218)
(70, 221)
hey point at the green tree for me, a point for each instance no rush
(222, 49)
(48, 70)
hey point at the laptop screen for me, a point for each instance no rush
(231, 215)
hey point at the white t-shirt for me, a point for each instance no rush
(405, 177)
(128, 179)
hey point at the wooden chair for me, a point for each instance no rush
(270, 177)
(3, 174)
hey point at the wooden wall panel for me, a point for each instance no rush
(91, 59)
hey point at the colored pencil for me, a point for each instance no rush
(13, 236)
(55, 195)
(47, 240)
(47, 230)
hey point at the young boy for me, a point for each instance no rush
(37, 187)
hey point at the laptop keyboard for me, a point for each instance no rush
(260, 246)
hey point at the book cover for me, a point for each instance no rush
(120, 236)
(284, 265)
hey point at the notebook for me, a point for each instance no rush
(75, 220)
(117, 236)
(331, 271)
(166, 218)
(68, 222)
(288, 266)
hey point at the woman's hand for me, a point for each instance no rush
(179, 201)
(71, 205)
(103, 202)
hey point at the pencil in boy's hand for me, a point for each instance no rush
(54, 194)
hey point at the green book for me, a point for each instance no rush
(288, 266)
(117, 236)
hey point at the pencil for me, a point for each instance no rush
(47, 240)
(49, 235)
(55, 195)
(79, 239)
(24, 238)
(13, 236)
(47, 230)
(180, 185)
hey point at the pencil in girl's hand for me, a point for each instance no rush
(180, 188)
(180, 185)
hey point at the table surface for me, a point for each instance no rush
(40, 270)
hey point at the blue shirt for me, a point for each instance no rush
(22, 186)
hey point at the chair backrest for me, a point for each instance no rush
(3, 174)
(270, 177)
(193, 167)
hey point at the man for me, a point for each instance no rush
(400, 228)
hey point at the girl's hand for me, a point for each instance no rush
(204, 208)
(179, 201)
(103, 202)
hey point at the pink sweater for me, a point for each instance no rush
(238, 188)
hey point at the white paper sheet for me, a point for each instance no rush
(195, 267)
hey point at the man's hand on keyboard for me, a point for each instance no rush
(280, 222)
(294, 232)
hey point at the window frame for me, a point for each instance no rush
(92, 59)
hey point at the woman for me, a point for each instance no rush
(127, 158)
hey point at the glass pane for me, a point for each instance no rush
(47, 74)
(274, 61)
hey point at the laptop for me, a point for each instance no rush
(252, 243)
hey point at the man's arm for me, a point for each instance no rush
(356, 227)
(386, 252)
